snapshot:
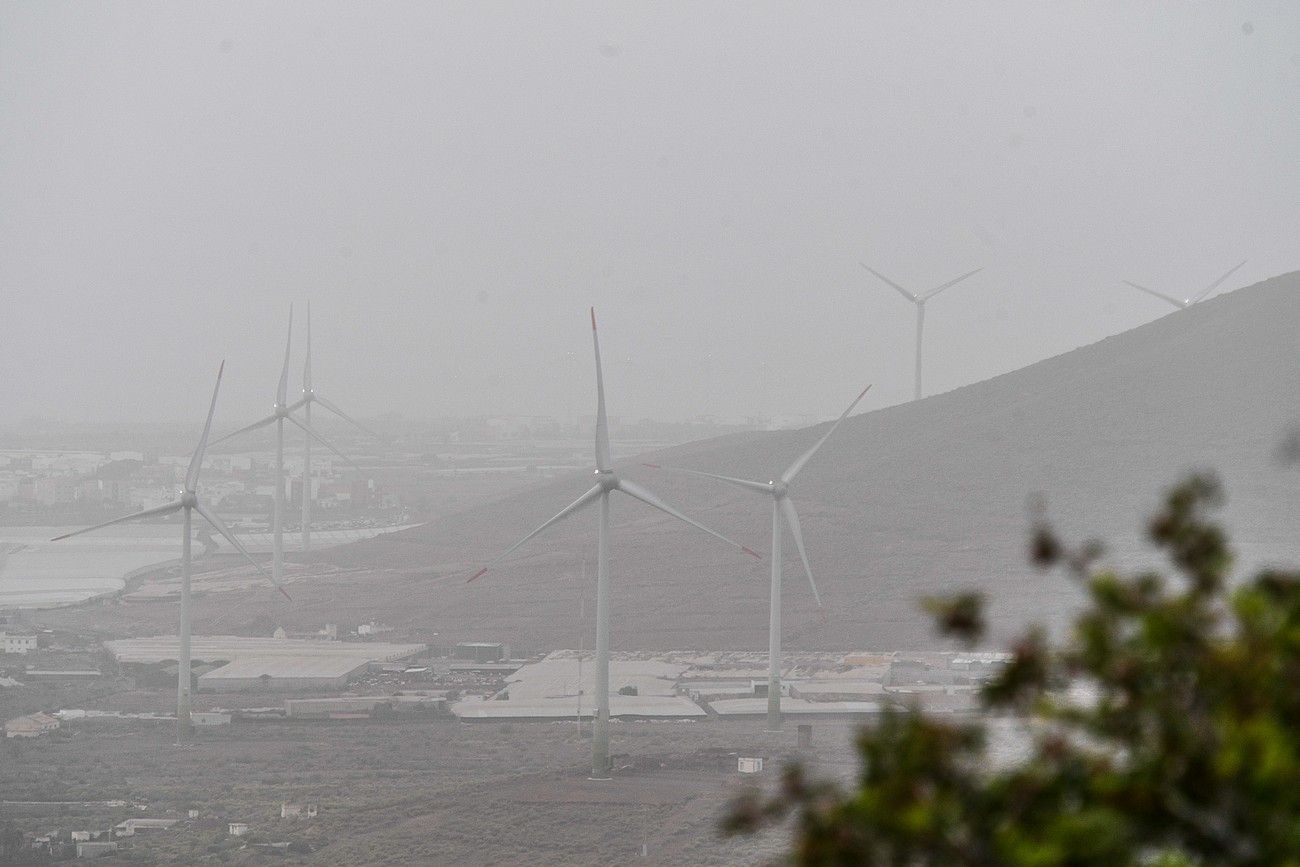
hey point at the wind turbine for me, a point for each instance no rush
(919, 300)
(310, 396)
(782, 506)
(282, 413)
(188, 503)
(1184, 303)
(607, 483)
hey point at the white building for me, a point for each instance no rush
(17, 642)
(238, 829)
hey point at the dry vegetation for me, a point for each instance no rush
(410, 792)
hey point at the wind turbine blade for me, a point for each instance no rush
(602, 424)
(147, 513)
(306, 365)
(953, 282)
(807, 456)
(245, 429)
(568, 510)
(282, 393)
(1162, 296)
(792, 518)
(901, 291)
(196, 460)
(343, 415)
(761, 487)
(632, 489)
(326, 443)
(297, 404)
(1219, 282)
(220, 525)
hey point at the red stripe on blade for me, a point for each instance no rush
(479, 574)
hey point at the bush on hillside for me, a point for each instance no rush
(1165, 729)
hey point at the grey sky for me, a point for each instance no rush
(453, 184)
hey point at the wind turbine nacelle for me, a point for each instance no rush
(607, 480)
(189, 499)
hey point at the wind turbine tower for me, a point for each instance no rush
(782, 507)
(919, 300)
(283, 412)
(309, 397)
(188, 503)
(1184, 303)
(608, 483)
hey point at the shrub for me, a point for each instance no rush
(1186, 751)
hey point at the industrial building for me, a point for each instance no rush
(734, 708)
(560, 674)
(266, 664)
(30, 726)
(131, 827)
(480, 651)
(626, 707)
(838, 689)
(164, 648)
(360, 706)
(282, 674)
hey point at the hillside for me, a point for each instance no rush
(903, 502)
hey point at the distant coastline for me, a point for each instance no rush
(44, 576)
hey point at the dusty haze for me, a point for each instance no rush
(452, 185)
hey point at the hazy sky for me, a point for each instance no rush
(453, 184)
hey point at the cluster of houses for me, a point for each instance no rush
(95, 844)
(56, 483)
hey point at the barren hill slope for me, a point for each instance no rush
(903, 502)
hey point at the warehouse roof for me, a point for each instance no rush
(556, 676)
(630, 706)
(249, 667)
(231, 647)
(814, 689)
(792, 706)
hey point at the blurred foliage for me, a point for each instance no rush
(1165, 729)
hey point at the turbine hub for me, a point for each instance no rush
(189, 499)
(778, 488)
(607, 480)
